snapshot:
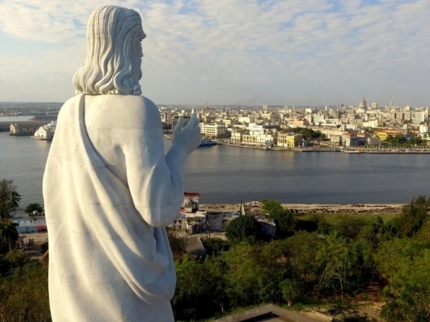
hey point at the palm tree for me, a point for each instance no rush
(13, 200)
(8, 232)
(9, 198)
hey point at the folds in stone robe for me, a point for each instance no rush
(107, 263)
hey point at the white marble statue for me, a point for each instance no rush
(109, 187)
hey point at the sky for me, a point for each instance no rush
(244, 52)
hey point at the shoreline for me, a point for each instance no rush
(255, 206)
(333, 149)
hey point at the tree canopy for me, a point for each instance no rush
(243, 228)
(34, 207)
(9, 198)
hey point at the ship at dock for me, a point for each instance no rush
(204, 142)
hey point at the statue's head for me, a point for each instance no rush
(112, 66)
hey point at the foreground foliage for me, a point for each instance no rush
(9, 201)
(319, 261)
(23, 289)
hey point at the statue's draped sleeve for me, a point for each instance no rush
(155, 183)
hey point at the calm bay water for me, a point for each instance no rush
(225, 174)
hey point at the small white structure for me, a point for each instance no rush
(45, 132)
(27, 224)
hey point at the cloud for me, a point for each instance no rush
(289, 52)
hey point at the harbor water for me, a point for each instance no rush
(223, 174)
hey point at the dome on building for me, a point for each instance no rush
(363, 104)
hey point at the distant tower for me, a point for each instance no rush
(363, 104)
(265, 107)
(242, 209)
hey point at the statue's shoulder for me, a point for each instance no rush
(70, 106)
(137, 105)
(137, 102)
(134, 111)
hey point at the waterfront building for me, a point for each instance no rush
(350, 139)
(266, 139)
(383, 134)
(27, 224)
(236, 137)
(249, 139)
(215, 130)
(25, 127)
(336, 139)
(289, 139)
(373, 140)
(46, 132)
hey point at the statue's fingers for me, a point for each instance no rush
(180, 123)
(192, 122)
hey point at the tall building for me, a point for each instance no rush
(265, 107)
(374, 105)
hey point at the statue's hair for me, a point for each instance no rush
(113, 60)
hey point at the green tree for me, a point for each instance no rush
(291, 290)
(34, 207)
(9, 198)
(284, 219)
(198, 294)
(405, 264)
(245, 269)
(271, 207)
(10, 261)
(342, 267)
(349, 227)
(243, 228)
(306, 266)
(413, 216)
(285, 222)
(24, 294)
(8, 233)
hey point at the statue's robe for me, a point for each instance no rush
(109, 256)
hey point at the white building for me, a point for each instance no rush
(255, 129)
(46, 132)
(215, 130)
(424, 129)
(371, 124)
(420, 117)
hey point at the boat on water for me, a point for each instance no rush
(206, 142)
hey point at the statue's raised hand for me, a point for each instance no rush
(188, 138)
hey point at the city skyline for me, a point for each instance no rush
(304, 53)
